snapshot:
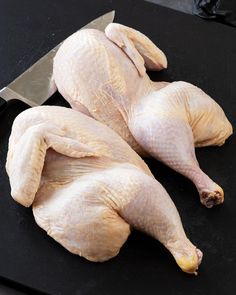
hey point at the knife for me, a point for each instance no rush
(36, 85)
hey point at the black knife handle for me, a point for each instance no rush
(13, 107)
(3, 104)
(9, 110)
(13, 104)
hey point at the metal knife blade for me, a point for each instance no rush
(36, 85)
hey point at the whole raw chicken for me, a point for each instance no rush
(104, 76)
(88, 187)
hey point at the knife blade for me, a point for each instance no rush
(36, 85)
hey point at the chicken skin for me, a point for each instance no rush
(104, 76)
(88, 188)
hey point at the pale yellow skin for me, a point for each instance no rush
(88, 188)
(104, 76)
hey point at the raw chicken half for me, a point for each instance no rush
(88, 188)
(104, 76)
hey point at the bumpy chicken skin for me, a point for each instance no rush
(103, 75)
(88, 187)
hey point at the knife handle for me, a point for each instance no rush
(11, 108)
(2, 104)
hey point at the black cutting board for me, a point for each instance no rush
(200, 52)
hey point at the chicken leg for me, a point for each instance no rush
(168, 134)
(98, 211)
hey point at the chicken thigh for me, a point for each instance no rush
(88, 188)
(104, 76)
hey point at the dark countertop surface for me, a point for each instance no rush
(199, 52)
